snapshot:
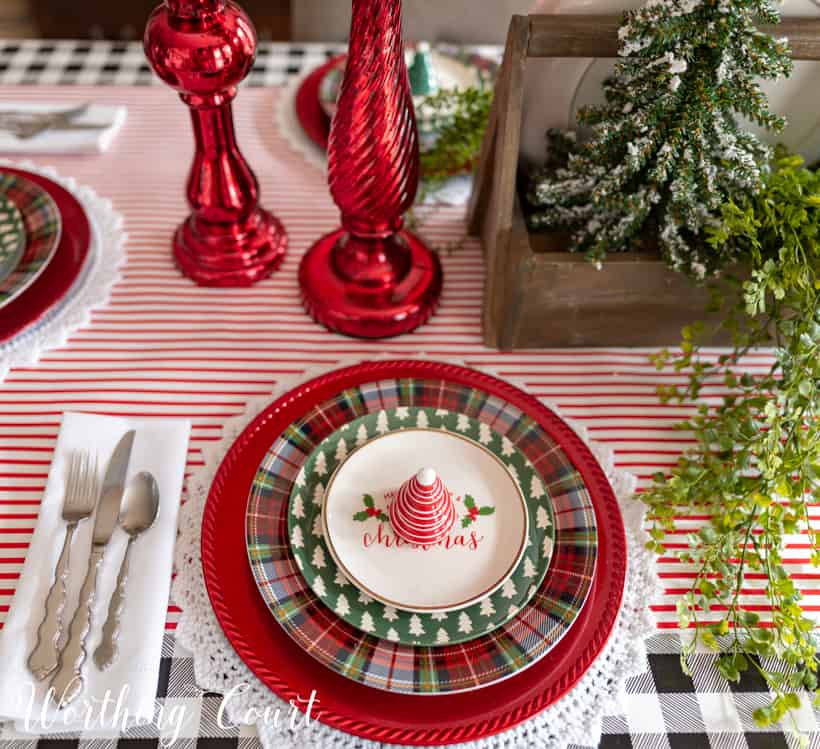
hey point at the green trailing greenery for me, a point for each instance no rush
(756, 467)
(458, 118)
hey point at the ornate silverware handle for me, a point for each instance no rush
(68, 681)
(46, 654)
(106, 652)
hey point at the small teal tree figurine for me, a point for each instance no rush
(423, 79)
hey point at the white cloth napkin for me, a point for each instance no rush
(59, 141)
(160, 446)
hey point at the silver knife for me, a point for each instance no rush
(67, 683)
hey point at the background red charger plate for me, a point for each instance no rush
(61, 272)
(309, 112)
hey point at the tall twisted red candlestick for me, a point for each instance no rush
(371, 278)
(203, 49)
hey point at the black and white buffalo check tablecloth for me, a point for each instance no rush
(123, 64)
(662, 709)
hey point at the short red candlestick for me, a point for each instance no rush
(203, 49)
(371, 278)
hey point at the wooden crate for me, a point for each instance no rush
(536, 294)
(556, 298)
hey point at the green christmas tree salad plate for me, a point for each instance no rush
(472, 458)
(477, 494)
(12, 237)
(41, 219)
(310, 619)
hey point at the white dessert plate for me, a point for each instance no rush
(470, 563)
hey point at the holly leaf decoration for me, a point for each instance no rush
(473, 511)
(370, 511)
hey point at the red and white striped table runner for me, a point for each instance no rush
(164, 346)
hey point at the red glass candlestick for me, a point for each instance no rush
(203, 49)
(371, 278)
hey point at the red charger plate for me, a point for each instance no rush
(374, 714)
(61, 272)
(309, 112)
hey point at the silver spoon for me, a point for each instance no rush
(137, 514)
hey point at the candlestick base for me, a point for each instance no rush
(370, 305)
(228, 254)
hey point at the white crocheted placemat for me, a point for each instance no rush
(574, 719)
(89, 290)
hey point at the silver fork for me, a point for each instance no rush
(78, 504)
(25, 126)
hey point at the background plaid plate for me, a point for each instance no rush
(12, 236)
(402, 668)
(42, 222)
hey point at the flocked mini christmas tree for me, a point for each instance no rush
(666, 149)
